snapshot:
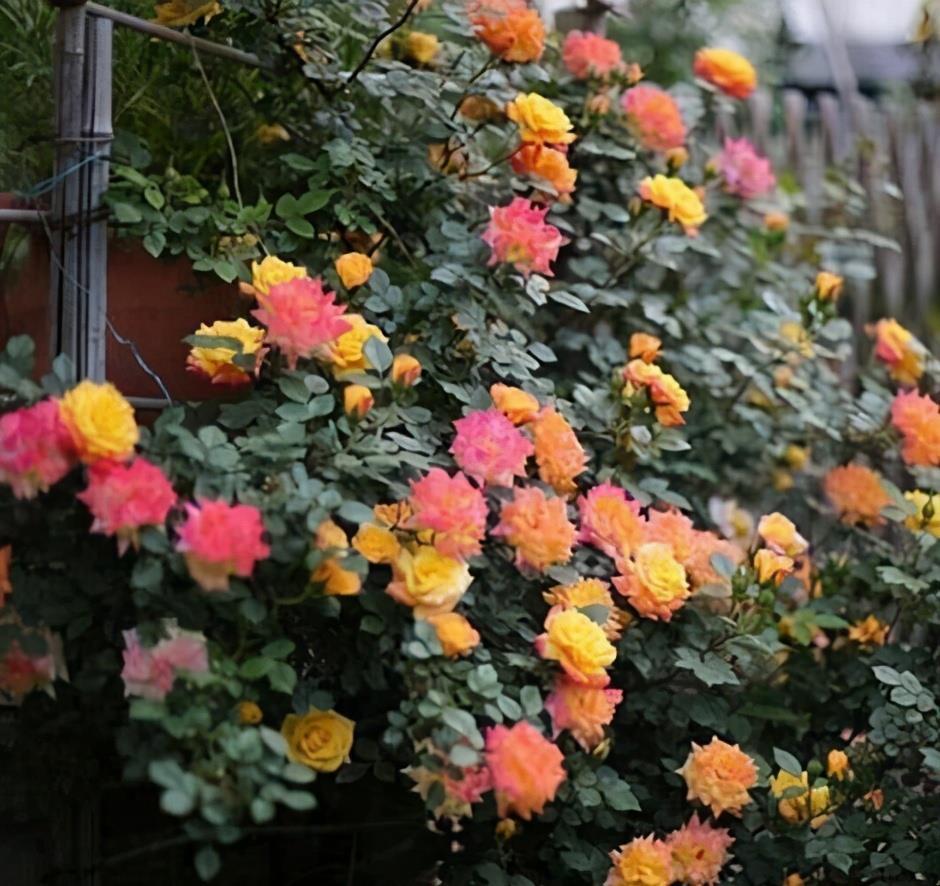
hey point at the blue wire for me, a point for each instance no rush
(48, 184)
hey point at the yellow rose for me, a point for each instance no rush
(837, 765)
(810, 805)
(828, 286)
(218, 363)
(428, 581)
(539, 120)
(927, 516)
(271, 271)
(354, 269)
(796, 334)
(870, 631)
(455, 634)
(684, 205)
(406, 370)
(796, 457)
(180, 13)
(100, 421)
(249, 714)
(376, 543)
(336, 581)
(780, 535)
(318, 739)
(357, 400)
(269, 133)
(578, 644)
(346, 352)
(771, 566)
(330, 535)
(421, 47)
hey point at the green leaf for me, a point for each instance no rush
(127, 214)
(280, 648)
(154, 196)
(175, 802)
(787, 762)
(300, 226)
(531, 700)
(712, 670)
(378, 353)
(255, 667)
(887, 675)
(207, 862)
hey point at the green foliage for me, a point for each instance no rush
(767, 368)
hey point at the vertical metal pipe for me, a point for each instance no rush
(65, 298)
(96, 128)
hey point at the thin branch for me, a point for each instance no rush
(225, 129)
(379, 38)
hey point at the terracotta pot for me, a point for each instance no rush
(151, 302)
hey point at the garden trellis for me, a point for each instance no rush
(77, 221)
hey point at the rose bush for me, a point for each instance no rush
(550, 499)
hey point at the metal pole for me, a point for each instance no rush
(96, 128)
(21, 216)
(65, 273)
(181, 37)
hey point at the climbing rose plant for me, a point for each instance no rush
(547, 497)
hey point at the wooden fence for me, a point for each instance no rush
(892, 148)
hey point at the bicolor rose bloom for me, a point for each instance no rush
(406, 370)
(654, 581)
(124, 498)
(692, 547)
(490, 448)
(683, 205)
(150, 673)
(509, 28)
(589, 592)
(100, 420)
(732, 73)
(558, 452)
(578, 644)
(901, 353)
(450, 507)
(653, 117)
(455, 634)
(428, 581)
(36, 449)
(538, 528)
(219, 540)
(301, 316)
(857, 494)
(719, 775)
(644, 861)
(917, 418)
(666, 395)
(526, 769)
(926, 516)
(780, 535)
(746, 173)
(219, 364)
(346, 353)
(828, 286)
(271, 271)
(519, 235)
(547, 166)
(582, 709)
(610, 520)
(21, 672)
(645, 347)
(699, 852)
(589, 55)
(519, 406)
(810, 806)
(540, 121)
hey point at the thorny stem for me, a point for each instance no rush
(378, 39)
